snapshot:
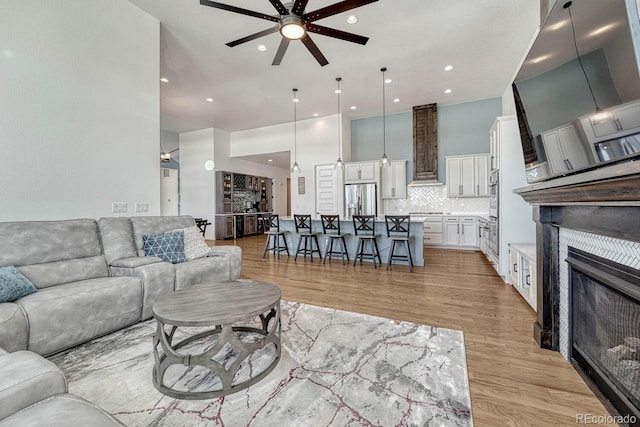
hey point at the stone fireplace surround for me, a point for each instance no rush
(596, 211)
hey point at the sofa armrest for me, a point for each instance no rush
(14, 327)
(233, 255)
(136, 261)
(27, 378)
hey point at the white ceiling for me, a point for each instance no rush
(483, 39)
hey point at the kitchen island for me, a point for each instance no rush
(346, 226)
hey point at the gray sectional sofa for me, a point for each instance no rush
(34, 393)
(93, 278)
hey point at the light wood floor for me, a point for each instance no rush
(512, 381)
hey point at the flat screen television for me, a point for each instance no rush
(577, 93)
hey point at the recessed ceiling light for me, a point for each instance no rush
(353, 107)
(262, 48)
(337, 91)
(448, 68)
(269, 160)
(352, 19)
(448, 91)
(296, 100)
(396, 100)
(164, 80)
(388, 81)
(209, 99)
(315, 114)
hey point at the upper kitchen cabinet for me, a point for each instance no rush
(361, 172)
(468, 176)
(565, 149)
(394, 180)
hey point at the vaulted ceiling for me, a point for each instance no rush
(484, 41)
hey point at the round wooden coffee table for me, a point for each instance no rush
(224, 309)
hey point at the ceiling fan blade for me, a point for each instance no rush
(334, 9)
(253, 36)
(239, 10)
(299, 6)
(279, 7)
(314, 50)
(284, 44)
(332, 32)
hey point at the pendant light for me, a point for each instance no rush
(384, 160)
(339, 164)
(295, 168)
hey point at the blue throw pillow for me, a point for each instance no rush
(168, 246)
(13, 284)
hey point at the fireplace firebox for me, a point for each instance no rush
(604, 322)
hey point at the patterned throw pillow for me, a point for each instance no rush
(168, 246)
(13, 284)
(194, 245)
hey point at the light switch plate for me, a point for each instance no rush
(142, 207)
(119, 207)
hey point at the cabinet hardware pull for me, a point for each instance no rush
(618, 124)
(526, 279)
(515, 267)
(570, 165)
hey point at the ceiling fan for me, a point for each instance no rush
(165, 156)
(294, 24)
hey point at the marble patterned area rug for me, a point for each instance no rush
(337, 368)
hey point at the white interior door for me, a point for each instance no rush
(169, 192)
(327, 194)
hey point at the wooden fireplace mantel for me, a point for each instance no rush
(604, 201)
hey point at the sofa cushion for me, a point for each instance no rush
(36, 242)
(67, 271)
(167, 246)
(194, 245)
(63, 410)
(13, 284)
(117, 238)
(146, 225)
(66, 315)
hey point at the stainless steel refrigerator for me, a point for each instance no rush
(360, 199)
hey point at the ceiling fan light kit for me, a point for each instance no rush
(294, 24)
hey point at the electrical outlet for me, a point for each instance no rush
(119, 207)
(142, 207)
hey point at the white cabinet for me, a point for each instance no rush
(394, 180)
(615, 122)
(451, 231)
(481, 175)
(565, 149)
(361, 172)
(469, 232)
(494, 147)
(522, 272)
(433, 231)
(467, 176)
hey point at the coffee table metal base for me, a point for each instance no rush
(169, 355)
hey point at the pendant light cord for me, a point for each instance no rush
(339, 121)
(384, 115)
(295, 127)
(575, 45)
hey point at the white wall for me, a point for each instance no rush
(317, 143)
(224, 162)
(197, 184)
(79, 108)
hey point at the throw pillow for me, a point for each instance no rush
(13, 284)
(194, 245)
(167, 246)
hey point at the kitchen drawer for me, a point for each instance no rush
(433, 219)
(451, 219)
(432, 238)
(468, 219)
(432, 227)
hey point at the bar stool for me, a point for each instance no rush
(331, 229)
(271, 224)
(398, 231)
(364, 229)
(304, 229)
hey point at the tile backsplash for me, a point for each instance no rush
(433, 198)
